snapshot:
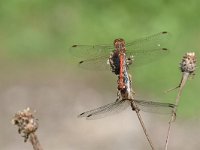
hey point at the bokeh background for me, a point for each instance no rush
(38, 71)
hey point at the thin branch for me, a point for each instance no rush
(136, 109)
(27, 126)
(188, 66)
(35, 142)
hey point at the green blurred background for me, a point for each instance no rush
(35, 36)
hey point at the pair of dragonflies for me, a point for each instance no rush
(119, 58)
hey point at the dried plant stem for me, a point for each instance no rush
(187, 67)
(181, 85)
(35, 142)
(136, 109)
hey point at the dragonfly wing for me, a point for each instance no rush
(92, 57)
(98, 63)
(90, 51)
(154, 41)
(106, 110)
(155, 107)
(146, 57)
(151, 48)
(148, 49)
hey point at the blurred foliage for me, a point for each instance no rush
(39, 30)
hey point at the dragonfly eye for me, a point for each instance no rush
(120, 46)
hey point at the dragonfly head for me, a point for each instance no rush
(119, 45)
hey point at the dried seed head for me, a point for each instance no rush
(188, 63)
(26, 123)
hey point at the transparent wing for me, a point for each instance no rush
(143, 50)
(148, 49)
(92, 57)
(99, 63)
(90, 51)
(140, 58)
(106, 110)
(155, 41)
(155, 107)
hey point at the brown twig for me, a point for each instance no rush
(35, 142)
(187, 66)
(27, 126)
(136, 109)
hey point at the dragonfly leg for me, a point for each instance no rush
(132, 92)
(118, 96)
(129, 60)
(134, 106)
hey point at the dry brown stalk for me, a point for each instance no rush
(187, 67)
(136, 109)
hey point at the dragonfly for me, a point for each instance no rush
(138, 52)
(118, 58)
(126, 99)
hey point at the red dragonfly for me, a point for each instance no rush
(125, 99)
(141, 51)
(118, 59)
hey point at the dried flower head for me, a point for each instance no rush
(26, 123)
(187, 66)
(188, 63)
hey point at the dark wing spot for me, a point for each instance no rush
(164, 32)
(82, 114)
(164, 49)
(74, 45)
(172, 105)
(80, 62)
(89, 115)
